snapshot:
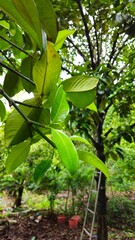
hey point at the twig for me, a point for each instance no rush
(8, 59)
(14, 45)
(18, 73)
(87, 33)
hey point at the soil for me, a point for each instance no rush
(40, 226)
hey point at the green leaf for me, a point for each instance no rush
(29, 13)
(60, 108)
(16, 128)
(61, 37)
(92, 107)
(79, 84)
(66, 150)
(90, 158)
(17, 155)
(80, 139)
(82, 99)
(25, 19)
(4, 24)
(2, 110)
(80, 90)
(12, 84)
(47, 18)
(46, 71)
(26, 70)
(41, 170)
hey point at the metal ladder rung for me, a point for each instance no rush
(89, 234)
(90, 211)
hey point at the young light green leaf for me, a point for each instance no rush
(66, 150)
(79, 84)
(2, 110)
(17, 155)
(90, 158)
(60, 108)
(46, 71)
(61, 37)
(80, 139)
(92, 107)
(41, 170)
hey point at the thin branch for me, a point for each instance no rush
(87, 33)
(8, 59)
(119, 50)
(14, 45)
(97, 44)
(26, 104)
(44, 136)
(107, 133)
(78, 49)
(18, 73)
(12, 103)
(65, 69)
(113, 50)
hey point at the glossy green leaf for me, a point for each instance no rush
(90, 158)
(46, 71)
(60, 107)
(80, 139)
(2, 110)
(61, 37)
(47, 18)
(41, 170)
(24, 21)
(82, 99)
(17, 155)
(12, 84)
(16, 128)
(79, 84)
(66, 150)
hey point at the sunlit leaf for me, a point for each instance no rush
(60, 107)
(80, 139)
(17, 155)
(92, 107)
(61, 37)
(66, 150)
(41, 170)
(92, 159)
(46, 71)
(79, 84)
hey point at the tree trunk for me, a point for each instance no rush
(102, 231)
(18, 199)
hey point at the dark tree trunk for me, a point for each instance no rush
(18, 199)
(102, 232)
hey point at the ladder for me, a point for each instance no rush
(93, 190)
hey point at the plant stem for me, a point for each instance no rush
(17, 73)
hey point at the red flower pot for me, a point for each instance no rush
(73, 223)
(61, 219)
